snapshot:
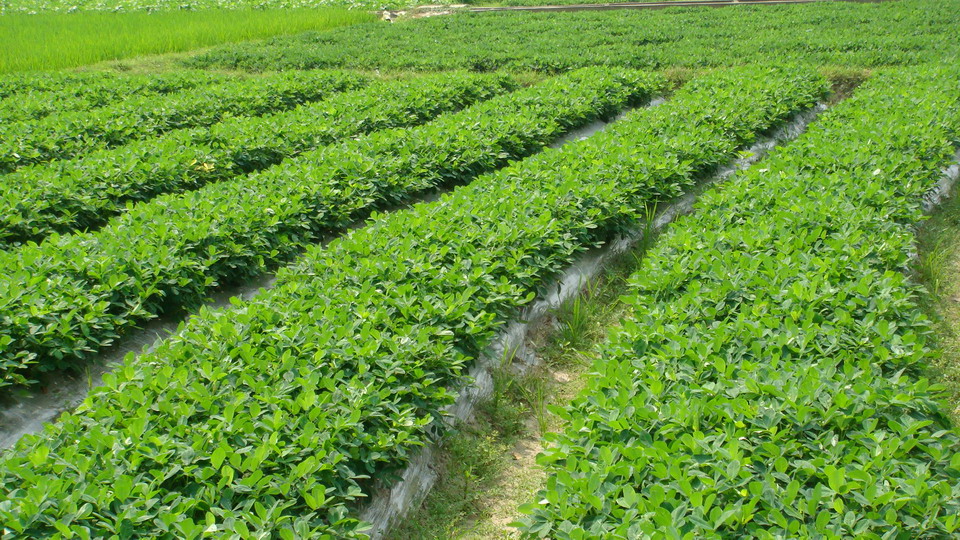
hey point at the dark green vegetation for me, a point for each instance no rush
(61, 40)
(768, 382)
(273, 417)
(69, 297)
(32, 97)
(62, 136)
(84, 193)
(487, 467)
(843, 34)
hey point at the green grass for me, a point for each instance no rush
(62, 40)
(938, 268)
(473, 460)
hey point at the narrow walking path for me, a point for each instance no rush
(489, 469)
(938, 268)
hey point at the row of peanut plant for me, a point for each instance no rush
(70, 134)
(84, 193)
(822, 34)
(84, 93)
(71, 296)
(274, 417)
(769, 382)
(14, 84)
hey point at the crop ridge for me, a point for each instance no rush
(31, 98)
(85, 193)
(513, 350)
(76, 133)
(25, 413)
(171, 251)
(678, 435)
(368, 422)
(906, 32)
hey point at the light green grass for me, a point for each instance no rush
(116, 6)
(61, 40)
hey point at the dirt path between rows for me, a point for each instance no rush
(937, 267)
(487, 470)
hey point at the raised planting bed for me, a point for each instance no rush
(769, 383)
(273, 417)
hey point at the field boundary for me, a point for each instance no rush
(433, 10)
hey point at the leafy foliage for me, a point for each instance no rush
(26, 98)
(74, 133)
(768, 384)
(823, 33)
(73, 295)
(271, 418)
(84, 193)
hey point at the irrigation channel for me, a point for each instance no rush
(511, 348)
(28, 411)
